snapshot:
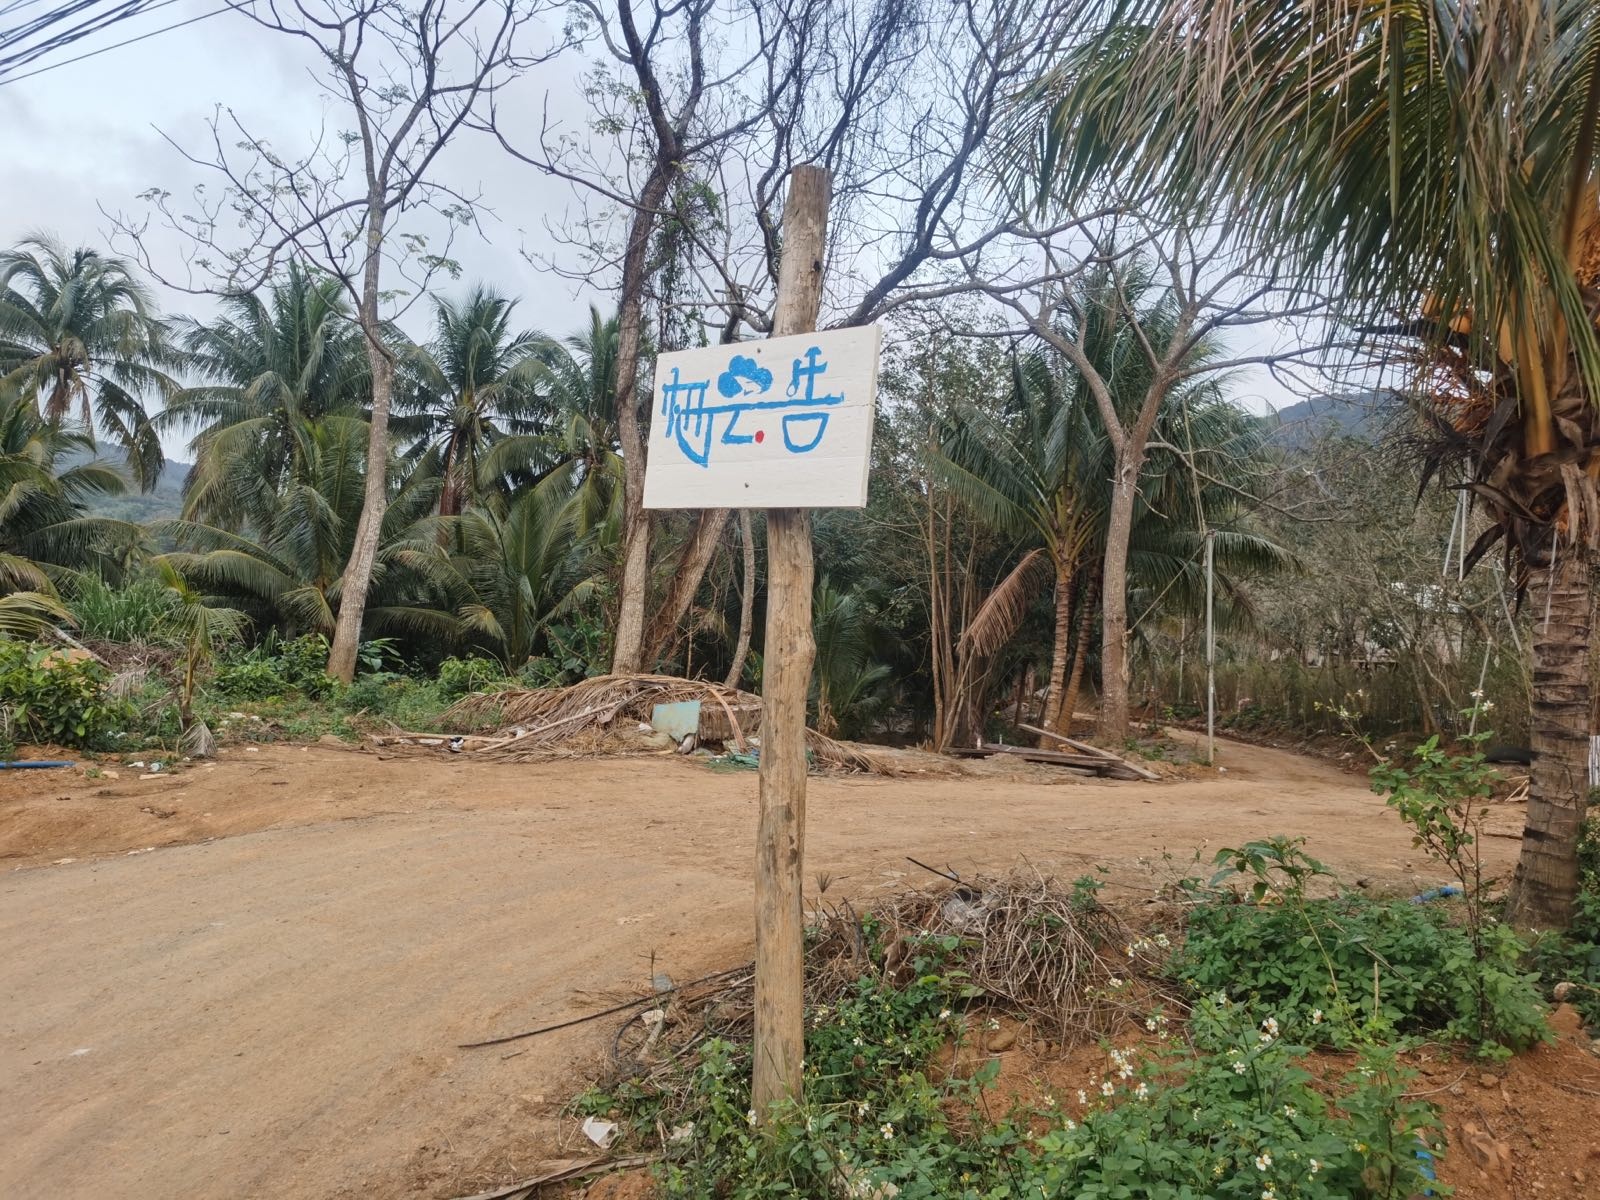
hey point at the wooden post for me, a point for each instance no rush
(787, 655)
(1211, 652)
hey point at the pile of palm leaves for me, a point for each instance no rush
(590, 718)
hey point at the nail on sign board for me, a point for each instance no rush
(782, 423)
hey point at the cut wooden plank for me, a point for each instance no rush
(1086, 748)
(1078, 766)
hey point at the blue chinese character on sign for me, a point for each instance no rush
(691, 419)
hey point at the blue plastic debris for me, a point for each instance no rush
(1438, 893)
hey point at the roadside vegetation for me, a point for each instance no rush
(1221, 1070)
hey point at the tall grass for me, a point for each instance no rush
(139, 611)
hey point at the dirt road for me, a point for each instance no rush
(275, 1012)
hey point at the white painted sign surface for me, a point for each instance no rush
(783, 423)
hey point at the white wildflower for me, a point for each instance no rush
(1263, 1160)
(887, 1129)
(750, 1117)
(1316, 1016)
(1142, 1091)
(1238, 1068)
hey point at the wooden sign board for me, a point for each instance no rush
(782, 423)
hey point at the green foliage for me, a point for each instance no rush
(1228, 1112)
(1232, 1113)
(141, 610)
(1346, 964)
(54, 699)
(458, 676)
(409, 703)
(1440, 795)
(275, 666)
(80, 339)
(1368, 963)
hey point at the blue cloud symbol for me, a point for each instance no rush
(741, 373)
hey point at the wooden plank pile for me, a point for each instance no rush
(1081, 758)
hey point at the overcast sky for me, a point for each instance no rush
(87, 135)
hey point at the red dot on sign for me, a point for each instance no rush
(761, 436)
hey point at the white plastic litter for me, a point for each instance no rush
(601, 1133)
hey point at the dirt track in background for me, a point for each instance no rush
(276, 1012)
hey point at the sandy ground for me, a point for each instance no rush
(275, 1011)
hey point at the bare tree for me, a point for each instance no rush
(896, 100)
(1204, 289)
(408, 79)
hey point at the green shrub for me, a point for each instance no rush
(409, 703)
(139, 611)
(54, 699)
(275, 666)
(458, 676)
(1320, 956)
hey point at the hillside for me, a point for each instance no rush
(163, 502)
(1355, 414)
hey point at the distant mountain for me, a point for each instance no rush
(162, 503)
(1356, 414)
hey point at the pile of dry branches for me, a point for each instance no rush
(1036, 949)
(545, 723)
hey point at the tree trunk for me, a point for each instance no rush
(695, 558)
(778, 1047)
(1113, 727)
(627, 657)
(357, 576)
(1546, 883)
(1080, 655)
(450, 492)
(1057, 683)
(747, 601)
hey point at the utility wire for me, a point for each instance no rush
(64, 38)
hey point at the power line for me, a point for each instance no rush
(64, 40)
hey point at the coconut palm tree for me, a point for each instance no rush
(271, 369)
(287, 570)
(475, 382)
(80, 338)
(1432, 162)
(846, 677)
(1041, 471)
(576, 383)
(45, 535)
(523, 567)
(203, 628)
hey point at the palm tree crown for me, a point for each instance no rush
(270, 369)
(474, 383)
(79, 336)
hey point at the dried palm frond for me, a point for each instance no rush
(1000, 615)
(558, 722)
(197, 741)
